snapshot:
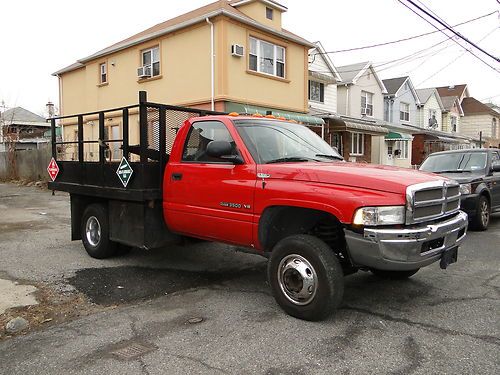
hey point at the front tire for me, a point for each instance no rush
(394, 275)
(95, 232)
(483, 212)
(305, 277)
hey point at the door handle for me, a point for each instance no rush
(176, 176)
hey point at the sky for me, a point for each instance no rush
(40, 37)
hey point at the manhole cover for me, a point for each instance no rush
(132, 351)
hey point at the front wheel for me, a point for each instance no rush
(483, 211)
(95, 232)
(394, 275)
(305, 277)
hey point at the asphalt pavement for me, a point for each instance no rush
(206, 308)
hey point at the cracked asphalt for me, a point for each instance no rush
(439, 322)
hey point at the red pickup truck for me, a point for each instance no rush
(262, 183)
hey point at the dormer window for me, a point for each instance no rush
(269, 13)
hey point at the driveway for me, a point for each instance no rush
(207, 308)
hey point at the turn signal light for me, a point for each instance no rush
(257, 115)
(270, 116)
(234, 114)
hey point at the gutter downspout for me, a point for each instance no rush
(347, 112)
(212, 67)
(59, 78)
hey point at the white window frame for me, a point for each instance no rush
(355, 149)
(453, 123)
(318, 100)
(103, 71)
(404, 112)
(368, 96)
(403, 147)
(151, 51)
(269, 11)
(275, 62)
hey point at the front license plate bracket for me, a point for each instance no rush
(448, 257)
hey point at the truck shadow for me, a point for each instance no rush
(132, 283)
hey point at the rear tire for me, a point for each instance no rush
(394, 275)
(483, 212)
(95, 232)
(305, 277)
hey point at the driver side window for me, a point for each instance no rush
(200, 135)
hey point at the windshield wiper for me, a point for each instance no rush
(453, 171)
(330, 156)
(289, 159)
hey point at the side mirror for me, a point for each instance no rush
(495, 166)
(223, 150)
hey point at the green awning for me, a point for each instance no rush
(393, 136)
(252, 109)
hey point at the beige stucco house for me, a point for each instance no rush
(227, 55)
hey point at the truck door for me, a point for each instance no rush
(206, 197)
(495, 182)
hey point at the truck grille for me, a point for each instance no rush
(431, 200)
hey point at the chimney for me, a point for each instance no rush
(50, 109)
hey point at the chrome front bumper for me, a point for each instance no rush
(407, 248)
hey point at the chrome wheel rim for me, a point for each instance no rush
(93, 231)
(485, 213)
(297, 279)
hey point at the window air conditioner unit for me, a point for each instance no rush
(237, 50)
(144, 72)
(363, 111)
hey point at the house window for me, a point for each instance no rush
(267, 58)
(402, 146)
(453, 124)
(151, 61)
(404, 112)
(269, 13)
(317, 91)
(366, 103)
(432, 121)
(494, 128)
(103, 73)
(336, 141)
(357, 144)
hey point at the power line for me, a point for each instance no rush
(430, 23)
(441, 22)
(454, 60)
(404, 39)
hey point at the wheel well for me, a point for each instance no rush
(78, 205)
(279, 222)
(486, 193)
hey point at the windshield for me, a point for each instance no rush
(277, 141)
(455, 162)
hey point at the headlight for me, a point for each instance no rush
(382, 215)
(465, 189)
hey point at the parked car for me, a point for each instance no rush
(478, 172)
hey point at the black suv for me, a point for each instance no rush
(478, 172)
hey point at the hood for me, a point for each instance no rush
(369, 176)
(462, 178)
